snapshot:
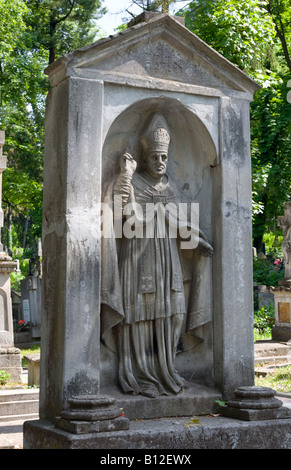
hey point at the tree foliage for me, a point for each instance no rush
(60, 26)
(280, 12)
(152, 5)
(11, 25)
(256, 36)
(241, 31)
(33, 33)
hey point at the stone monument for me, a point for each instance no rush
(31, 295)
(282, 294)
(10, 357)
(147, 238)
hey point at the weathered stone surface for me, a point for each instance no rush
(89, 414)
(10, 362)
(281, 333)
(88, 427)
(171, 434)
(7, 266)
(195, 399)
(256, 414)
(255, 403)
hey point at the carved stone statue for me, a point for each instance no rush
(142, 281)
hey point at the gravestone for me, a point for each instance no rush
(149, 324)
(31, 303)
(282, 294)
(10, 357)
(31, 300)
(265, 296)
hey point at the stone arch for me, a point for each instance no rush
(192, 155)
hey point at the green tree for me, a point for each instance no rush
(271, 128)
(241, 31)
(21, 196)
(33, 33)
(280, 12)
(255, 35)
(271, 144)
(60, 26)
(11, 25)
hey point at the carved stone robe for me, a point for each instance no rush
(144, 297)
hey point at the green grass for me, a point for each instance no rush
(258, 336)
(280, 380)
(33, 349)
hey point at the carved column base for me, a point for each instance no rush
(254, 404)
(92, 414)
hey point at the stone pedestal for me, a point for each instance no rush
(282, 295)
(255, 404)
(92, 414)
(10, 357)
(10, 362)
(33, 361)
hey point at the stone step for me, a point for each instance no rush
(16, 404)
(18, 417)
(270, 348)
(19, 395)
(269, 369)
(18, 407)
(272, 359)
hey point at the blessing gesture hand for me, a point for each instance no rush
(127, 164)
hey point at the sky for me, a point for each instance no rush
(116, 12)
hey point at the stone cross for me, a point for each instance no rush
(3, 161)
(284, 223)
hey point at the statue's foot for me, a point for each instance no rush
(149, 391)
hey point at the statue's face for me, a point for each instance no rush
(156, 164)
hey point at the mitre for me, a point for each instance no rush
(157, 135)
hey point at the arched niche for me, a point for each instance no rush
(192, 156)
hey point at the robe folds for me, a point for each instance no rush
(142, 290)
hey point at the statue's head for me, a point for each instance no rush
(155, 143)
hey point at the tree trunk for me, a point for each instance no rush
(9, 230)
(52, 53)
(25, 231)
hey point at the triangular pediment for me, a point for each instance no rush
(161, 48)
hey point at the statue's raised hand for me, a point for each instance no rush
(127, 164)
